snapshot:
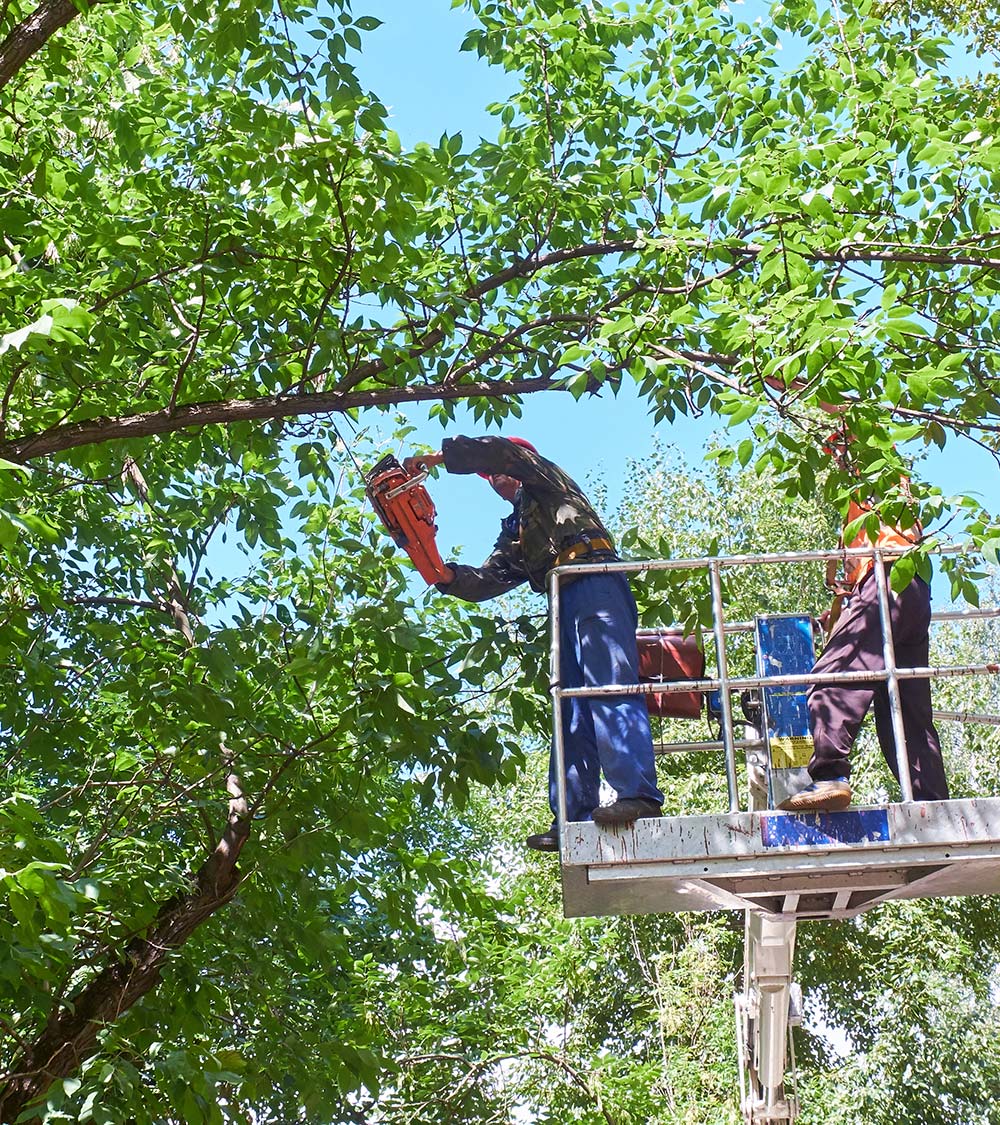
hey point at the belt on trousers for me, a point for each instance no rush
(581, 550)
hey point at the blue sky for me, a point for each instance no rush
(414, 64)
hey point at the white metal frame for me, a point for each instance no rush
(723, 682)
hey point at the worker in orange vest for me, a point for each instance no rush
(836, 711)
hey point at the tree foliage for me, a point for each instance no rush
(211, 239)
(142, 686)
(664, 201)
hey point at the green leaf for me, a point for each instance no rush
(742, 413)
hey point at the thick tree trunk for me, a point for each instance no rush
(71, 1033)
(31, 35)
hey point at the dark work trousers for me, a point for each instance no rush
(836, 711)
(597, 621)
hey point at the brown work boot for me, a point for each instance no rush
(626, 810)
(547, 841)
(820, 796)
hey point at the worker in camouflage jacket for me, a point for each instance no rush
(551, 524)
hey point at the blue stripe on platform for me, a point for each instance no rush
(790, 830)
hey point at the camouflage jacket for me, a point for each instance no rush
(550, 514)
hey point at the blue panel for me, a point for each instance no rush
(796, 830)
(785, 647)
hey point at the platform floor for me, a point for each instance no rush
(806, 865)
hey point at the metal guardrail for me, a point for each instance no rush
(725, 684)
(971, 717)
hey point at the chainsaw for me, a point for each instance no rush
(407, 512)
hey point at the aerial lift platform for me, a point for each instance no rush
(791, 865)
(777, 867)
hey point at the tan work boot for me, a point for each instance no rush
(820, 796)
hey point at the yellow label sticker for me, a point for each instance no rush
(792, 751)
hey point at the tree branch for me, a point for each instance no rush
(71, 1032)
(345, 397)
(96, 430)
(175, 601)
(119, 602)
(31, 35)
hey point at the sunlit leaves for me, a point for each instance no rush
(202, 205)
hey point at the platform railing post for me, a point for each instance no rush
(892, 681)
(555, 690)
(718, 628)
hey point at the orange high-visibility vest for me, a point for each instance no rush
(856, 567)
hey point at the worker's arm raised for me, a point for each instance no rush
(496, 456)
(422, 461)
(501, 572)
(480, 583)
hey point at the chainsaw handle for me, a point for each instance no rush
(422, 462)
(416, 479)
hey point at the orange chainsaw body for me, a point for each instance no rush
(407, 512)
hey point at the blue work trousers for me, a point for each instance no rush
(597, 623)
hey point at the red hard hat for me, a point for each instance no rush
(522, 441)
(517, 441)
